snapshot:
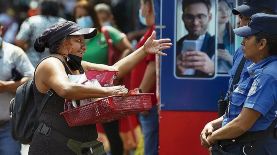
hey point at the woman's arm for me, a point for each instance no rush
(92, 66)
(236, 127)
(151, 46)
(51, 74)
(125, 65)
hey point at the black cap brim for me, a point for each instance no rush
(86, 32)
(244, 10)
(245, 31)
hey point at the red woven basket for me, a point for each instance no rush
(107, 109)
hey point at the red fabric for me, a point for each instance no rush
(128, 123)
(138, 72)
(113, 53)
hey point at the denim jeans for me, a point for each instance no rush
(8, 146)
(150, 130)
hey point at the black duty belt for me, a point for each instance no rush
(249, 137)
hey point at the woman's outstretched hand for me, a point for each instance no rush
(153, 46)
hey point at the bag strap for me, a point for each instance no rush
(238, 72)
(110, 44)
(237, 75)
(67, 68)
(46, 97)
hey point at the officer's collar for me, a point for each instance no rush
(256, 66)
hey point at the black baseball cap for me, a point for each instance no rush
(255, 6)
(60, 31)
(259, 22)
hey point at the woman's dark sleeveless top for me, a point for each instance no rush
(51, 116)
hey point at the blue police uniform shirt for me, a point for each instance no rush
(256, 90)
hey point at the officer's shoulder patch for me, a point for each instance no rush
(254, 87)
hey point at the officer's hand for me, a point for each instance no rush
(199, 60)
(210, 140)
(207, 130)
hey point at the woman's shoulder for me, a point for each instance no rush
(50, 62)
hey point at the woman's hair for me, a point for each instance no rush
(271, 42)
(42, 42)
(90, 10)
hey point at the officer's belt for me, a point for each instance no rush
(252, 136)
(249, 137)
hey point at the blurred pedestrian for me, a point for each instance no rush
(32, 27)
(143, 76)
(105, 15)
(15, 69)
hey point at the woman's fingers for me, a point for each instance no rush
(153, 35)
(119, 90)
(165, 40)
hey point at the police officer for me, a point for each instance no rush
(240, 64)
(244, 12)
(249, 125)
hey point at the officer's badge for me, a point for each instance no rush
(253, 88)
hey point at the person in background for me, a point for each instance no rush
(34, 26)
(67, 40)
(143, 76)
(98, 51)
(15, 68)
(104, 14)
(225, 38)
(7, 19)
(196, 62)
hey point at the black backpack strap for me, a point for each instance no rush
(236, 77)
(223, 103)
(238, 73)
(46, 97)
(67, 69)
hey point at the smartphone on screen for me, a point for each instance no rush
(190, 45)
